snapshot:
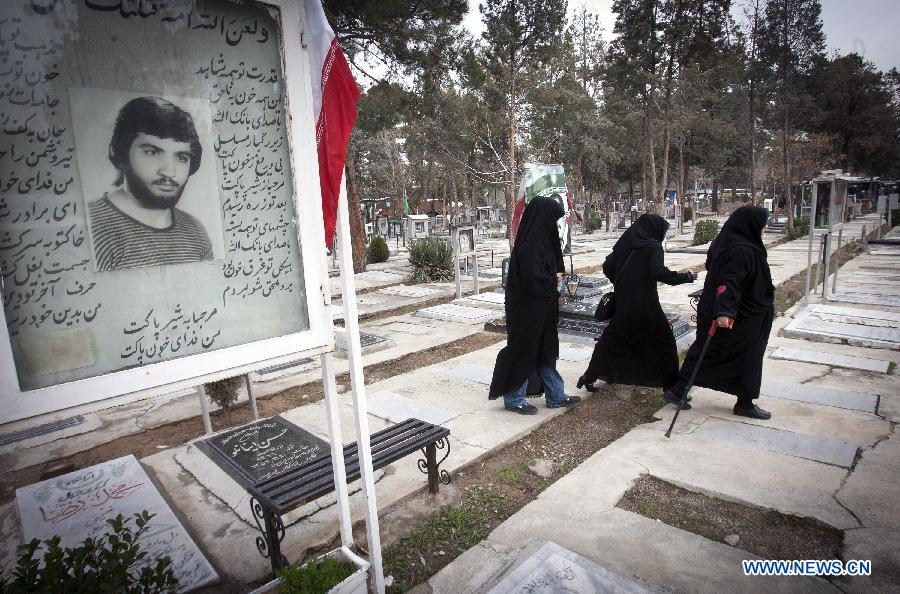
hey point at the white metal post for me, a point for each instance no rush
(454, 237)
(838, 264)
(354, 355)
(332, 412)
(812, 231)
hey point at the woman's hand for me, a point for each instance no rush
(559, 276)
(694, 275)
(724, 322)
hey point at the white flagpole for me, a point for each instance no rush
(354, 355)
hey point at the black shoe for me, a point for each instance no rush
(569, 401)
(522, 409)
(753, 413)
(671, 398)
(589, 386)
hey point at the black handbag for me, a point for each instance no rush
(607, 306)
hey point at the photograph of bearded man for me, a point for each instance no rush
(155, 150)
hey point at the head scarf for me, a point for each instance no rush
(537, 255)
(743, 228)
(646, 231)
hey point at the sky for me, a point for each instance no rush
(868, 27)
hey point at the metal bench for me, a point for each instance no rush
(278, 495)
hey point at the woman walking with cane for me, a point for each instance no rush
(532, 312)
(738, 295)
(637, 347)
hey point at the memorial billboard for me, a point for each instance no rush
(158, 225)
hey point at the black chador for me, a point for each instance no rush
(532, 298)
(638, 346)
(738, 287)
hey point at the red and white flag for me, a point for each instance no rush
(334, 109)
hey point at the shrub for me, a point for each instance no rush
(800, 229)
(687, 214)
(895, 216)
(97, 565)
(225, 393)
(705, 231)
(432, 260)
(377, 251)
(592, 223)
(316, 577)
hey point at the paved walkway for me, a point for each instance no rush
(829, 452)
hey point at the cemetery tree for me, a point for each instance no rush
(793, 45)
(855, 104)
(396, 34)
(518, 34)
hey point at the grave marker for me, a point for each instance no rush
(75, 506)
(262, 449)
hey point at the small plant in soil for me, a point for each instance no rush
(225, 393)
(104, 564)
(377, 251)
(432, 260)
(315, 577)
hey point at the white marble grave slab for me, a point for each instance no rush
(495, 298)
(810, 447)
(865, 299)
(552, 569)
(407, 291)
(397, 408)
(880, 291)
(450, 312)
(75, 506)
(473, 373)
(378, 276)
(820, 395)
(830, 359)
(369, 300)
(574, 353)
(855, 312)
(419, 329)
(813, 328)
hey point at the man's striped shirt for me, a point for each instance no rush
(122, 242)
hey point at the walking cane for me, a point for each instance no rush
(690, 384)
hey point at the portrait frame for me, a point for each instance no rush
(152, 379)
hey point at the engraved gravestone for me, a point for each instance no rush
(365, 340)
(77, 505)
(263, 449)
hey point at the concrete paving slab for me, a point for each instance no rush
(396, 408)
(830, 359)
(828, 451)
(860, 428)
(820, 395)
(547, 568)
(577, 354)
(77, 505)
(458, 313)
(815, 329)
(481, 374)
(882, 547)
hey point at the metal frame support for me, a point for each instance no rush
(251, 395)
(204, 408)
(332, 412)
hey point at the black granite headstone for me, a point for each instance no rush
(262, 449)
